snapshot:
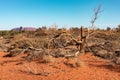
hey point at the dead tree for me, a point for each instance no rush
(83, 40)
(97, 11)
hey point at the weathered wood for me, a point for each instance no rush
(83, 40)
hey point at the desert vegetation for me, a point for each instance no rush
(58, 43)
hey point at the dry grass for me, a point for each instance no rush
(80, 63)
(48, 59)
(58, 39)
(74, 62)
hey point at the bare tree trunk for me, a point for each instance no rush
(83, 40)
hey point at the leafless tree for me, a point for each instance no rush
(97, 11)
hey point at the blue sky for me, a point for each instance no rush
(65, 13)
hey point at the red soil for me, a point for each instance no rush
(94, 68)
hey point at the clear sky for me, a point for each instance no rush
(69, 13)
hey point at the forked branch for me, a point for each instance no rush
(97, 11)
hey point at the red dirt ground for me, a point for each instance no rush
(94, 69)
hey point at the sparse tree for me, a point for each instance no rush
(108, 29)
(118, 28)
(44, 28)
(54, 26)
(97, 11)
(20, 29)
